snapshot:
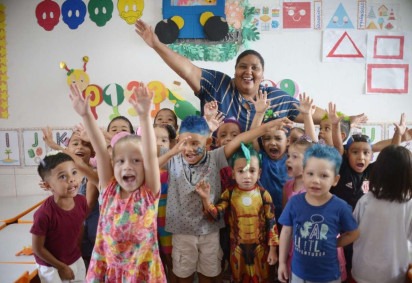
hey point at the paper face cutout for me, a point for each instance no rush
(100, 11)
(130, 10)
(73, 12)
(48, 14)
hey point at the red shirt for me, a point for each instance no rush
(61, 228)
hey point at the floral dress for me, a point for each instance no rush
(126, 248)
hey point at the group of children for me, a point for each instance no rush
(285, 195)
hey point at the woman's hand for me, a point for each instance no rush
(145, 31)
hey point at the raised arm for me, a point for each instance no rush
(306, 109)
(336, 132)
(252, 134)
(142, 101)
(178, 63)
(104, 165)
(261, 105)
(400, 130)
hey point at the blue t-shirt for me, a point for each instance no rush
(221, 88)
(315, 229)
(273, 177)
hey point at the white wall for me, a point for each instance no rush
(38, 93)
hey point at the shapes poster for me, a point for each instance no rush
(267, 15)
(383, 16)
(9, 148)
(340, 14)
(388, 62)
(344, 46)
(297, 15)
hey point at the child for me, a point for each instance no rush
(294, 134)
(82, 151)
(126, 248)
(384, 215)
(196, 240)
(253, 232)
(165, 133)
(166, 116)
(120, 124)
(57, 224)
(314, 219)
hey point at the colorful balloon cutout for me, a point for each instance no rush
(113, 95)
(182, 107)
(100, 11)
(290, 87)
(160, 93)
(96, 98)
(73, 12)
(48, 14)
(128, 93)
(130, 10)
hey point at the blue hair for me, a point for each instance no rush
(323, 151)
(194, 124)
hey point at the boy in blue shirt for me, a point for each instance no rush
(314, 220)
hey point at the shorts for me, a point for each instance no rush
(49, 274)
(196, 253)
(296, 279)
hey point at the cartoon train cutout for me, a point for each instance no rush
(192, 19)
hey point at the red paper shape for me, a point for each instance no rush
(48, 14)
(371, 89)
(296, 15)
(399, 55)
(333, 53)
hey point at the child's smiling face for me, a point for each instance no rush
(194, 147)
(274, 143)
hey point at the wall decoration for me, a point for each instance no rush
(73, 13)
(229, 46)
(9, 148)
(297, 15)
(34, 148)
(362, 5)
(4, 112)
(100, 11)
(48, 14)
(344, 46)
(383, 16)
(130, 10)
(317, 14)
(341, 17)
(387, 78)
(388, 61)
(113, 95)
(268, 15)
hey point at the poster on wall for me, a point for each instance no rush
(62, 136)
(344, 46)
(297, 15)
(34, 148)
(267, 16)
(9, 148)
(340, 14)
(383, 16)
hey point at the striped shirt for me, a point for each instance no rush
(221, 88)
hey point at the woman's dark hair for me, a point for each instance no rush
(391, 176)
(131, 130)
(251, 52)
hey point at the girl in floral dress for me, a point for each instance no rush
(126, 248)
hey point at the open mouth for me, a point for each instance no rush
(129, 178)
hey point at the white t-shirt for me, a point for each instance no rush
(381, 252)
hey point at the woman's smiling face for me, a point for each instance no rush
(248, 75)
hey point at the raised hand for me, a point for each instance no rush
(261, 102)
(141, 99)
(81, 131)
(210, 109)
(145, 31)
(203, 189)
(356, 121)
(333, 114)
(401, 127)
(279, 124)
(215, 121)
(306, 105)
(80, 105)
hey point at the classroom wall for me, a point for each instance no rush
(38, 92)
